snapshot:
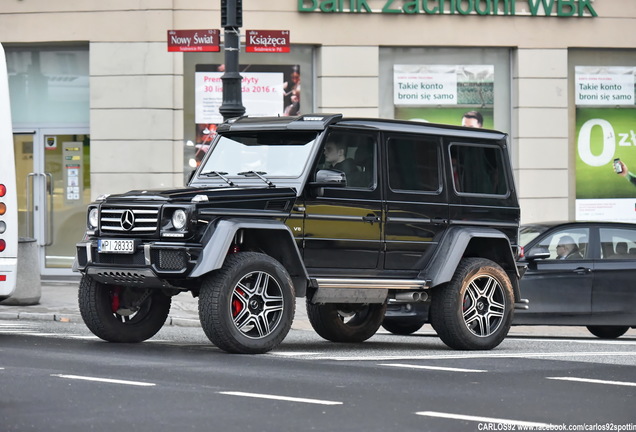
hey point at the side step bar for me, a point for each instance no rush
(399, 284)
(332, 290)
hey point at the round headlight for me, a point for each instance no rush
(179, 219)
(93, 219)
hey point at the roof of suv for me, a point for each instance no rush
(318, 122)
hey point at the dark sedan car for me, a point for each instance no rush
(578, 274)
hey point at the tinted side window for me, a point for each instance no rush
(413, 164)
(618, 243)
(478, 169)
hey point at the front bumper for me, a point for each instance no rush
(153, 264)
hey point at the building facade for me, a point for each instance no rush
(100, 105)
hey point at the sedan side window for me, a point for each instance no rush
(567, 244)
(618, 243)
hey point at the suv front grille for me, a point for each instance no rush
(129, 220)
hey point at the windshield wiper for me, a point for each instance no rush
(258, 174)
(220, 174)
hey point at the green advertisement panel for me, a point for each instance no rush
(606, 164)
(603, 136)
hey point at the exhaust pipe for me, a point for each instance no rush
(411, 296)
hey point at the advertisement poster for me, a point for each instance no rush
(605, 145)
(267, 90)
(444, 93)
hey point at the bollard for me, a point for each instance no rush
(28, 288)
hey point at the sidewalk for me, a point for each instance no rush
(59, 303)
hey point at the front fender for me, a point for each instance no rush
(267, 235)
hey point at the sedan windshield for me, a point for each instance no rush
(527, 233)
(270, 154)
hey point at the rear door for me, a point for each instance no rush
(614, 292)
(416, 205)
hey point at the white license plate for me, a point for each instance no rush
(116, 246)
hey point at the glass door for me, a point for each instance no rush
(53, 175)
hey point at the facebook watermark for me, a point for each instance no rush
(556, 427)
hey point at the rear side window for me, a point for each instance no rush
(413, 164)
(618, 243)
(478, 169)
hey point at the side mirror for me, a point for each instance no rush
(328, 178)
(538, 252)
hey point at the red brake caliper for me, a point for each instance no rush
(237, 306)
(114, 305)
(466, 304)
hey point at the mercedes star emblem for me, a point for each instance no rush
(127, 220)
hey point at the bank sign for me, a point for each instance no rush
(543, 8)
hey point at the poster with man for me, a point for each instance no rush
(444, 94)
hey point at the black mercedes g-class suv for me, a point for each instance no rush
(348, 212)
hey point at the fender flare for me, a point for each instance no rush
(459, 242)
(217, 245)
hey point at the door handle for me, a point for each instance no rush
(48, 236)
(30, 205)
(370, 218)
(439, 221)
(582, 270)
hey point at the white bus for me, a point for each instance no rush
(8, 197)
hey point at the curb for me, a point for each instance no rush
(76, 318)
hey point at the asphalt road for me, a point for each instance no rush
(58, 377)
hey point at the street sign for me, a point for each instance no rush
(267, 41)
(193, 41)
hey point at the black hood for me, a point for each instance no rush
(214, 194)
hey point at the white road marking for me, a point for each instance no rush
(479, 355)
(481, 419)
(16, 331)
(32, 333)
(594, 381)
(72, 336)
(105, 380)
(281, 398)
(439, 368)
(294, 353)
(579, 341)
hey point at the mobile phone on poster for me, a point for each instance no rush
(618, 167)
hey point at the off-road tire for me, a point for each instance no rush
(240, 316)
(608, 332)
(329, 320)
(403, 326)
(474, 310)
(95, 305)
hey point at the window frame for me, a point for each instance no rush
(501, 169)
(432, 141)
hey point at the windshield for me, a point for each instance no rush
(280, 154)
(527, 233)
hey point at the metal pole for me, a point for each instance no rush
(231, 17)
